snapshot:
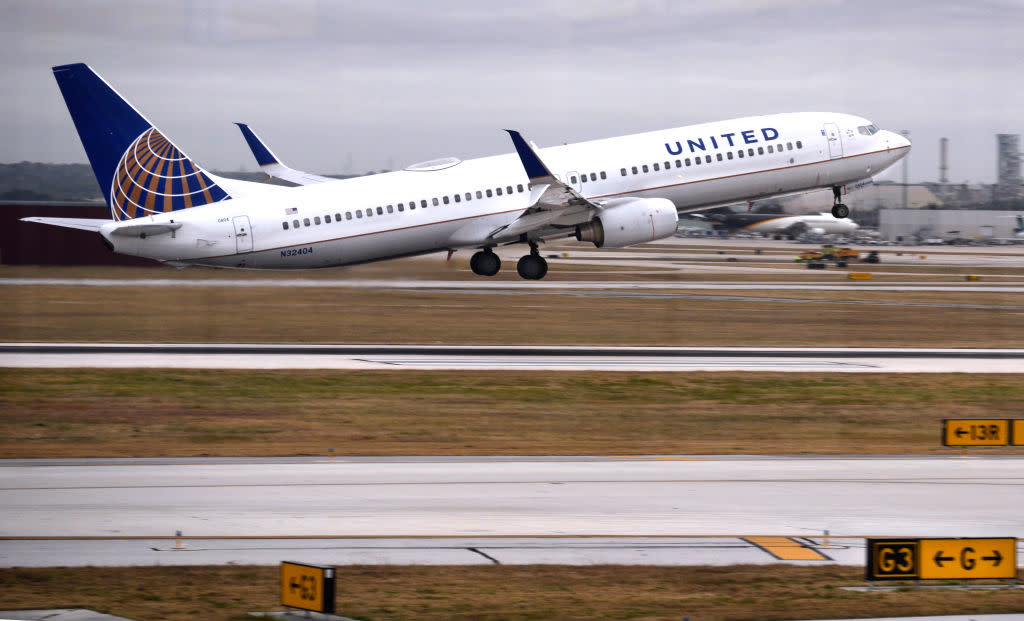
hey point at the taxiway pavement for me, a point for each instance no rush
(652, 510)
(415, 357)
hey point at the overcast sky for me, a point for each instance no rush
(340, 86)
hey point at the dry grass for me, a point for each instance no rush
(92, 413)
(490, 592)
(352, 315)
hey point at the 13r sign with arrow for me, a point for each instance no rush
(942, 559)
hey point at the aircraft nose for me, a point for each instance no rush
(897, 141)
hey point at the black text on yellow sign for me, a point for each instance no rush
(307, 587)
(975, 432)
(966, 559)
(941, 559)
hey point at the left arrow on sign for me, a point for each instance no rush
(939, 558)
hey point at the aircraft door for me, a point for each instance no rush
(835, 141)
(243, 234)
(574, 179)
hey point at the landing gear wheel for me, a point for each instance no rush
(532, 267)
(485, 263)
(840, 210)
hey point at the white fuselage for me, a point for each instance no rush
(820, 224)
(370, 218)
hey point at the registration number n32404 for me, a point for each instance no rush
(294, 252)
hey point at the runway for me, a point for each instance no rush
(424, 357)
(652, 510)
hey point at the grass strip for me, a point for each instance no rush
(732, 593)
(154, 412)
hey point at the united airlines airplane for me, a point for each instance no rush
(613, 192)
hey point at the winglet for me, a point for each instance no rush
(535, 168)
(260, 151)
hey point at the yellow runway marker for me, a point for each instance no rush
(787, 549)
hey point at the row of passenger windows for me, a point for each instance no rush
(697, 161)
(573, 179)
(400, 207)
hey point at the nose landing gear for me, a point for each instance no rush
(839, 210)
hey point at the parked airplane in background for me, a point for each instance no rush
(776, 224)
(613, 192)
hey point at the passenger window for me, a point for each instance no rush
(750, 152)
(489, 193)
(479, 194)
(688, 161)
(348, 215)
(369, 212)
(327, 219)
(295, 223)
(508, 189)
(435, 202)
(623, 171)
(696, 161)
(604, 176)
(789, 146)
(469, 196)
(316, 220)
(657, 167)
(457, 197)
(760, 150)
(391, 209)
(740, 154)
(572, 179)
(337, 217)
(679, 164)
(519, 187)
(445, 200)
(719, 156)
(799, 144)
(305, 221)
(401, 206)
(634, 170)
(423, 204)
(359, 213)
(728, 155)
(380, 211)
(770, 149)
(593, 177)
(645, 169)
(668, 165)
(707, 159)
(284, 225)
(498, 191)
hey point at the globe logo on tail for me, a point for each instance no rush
(154, 177)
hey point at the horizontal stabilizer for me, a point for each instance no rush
(272, 166)
(137, 230)
(83, 224)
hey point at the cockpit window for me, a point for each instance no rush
(868, 130)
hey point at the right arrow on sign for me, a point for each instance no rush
(939, 558)
(996, 558)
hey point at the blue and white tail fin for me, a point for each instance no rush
(139, 170)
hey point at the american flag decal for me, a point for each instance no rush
(291, 210)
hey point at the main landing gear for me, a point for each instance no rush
(532, 266)
(839, 210)
(485, 263)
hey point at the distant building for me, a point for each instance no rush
(917, 225)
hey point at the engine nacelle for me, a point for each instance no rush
(630, 221)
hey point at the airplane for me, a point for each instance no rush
(613, 192)
(774, 224)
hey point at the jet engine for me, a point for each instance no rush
(625, 222)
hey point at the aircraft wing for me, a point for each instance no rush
(272, 165)
(550, 198)
(84, 224)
